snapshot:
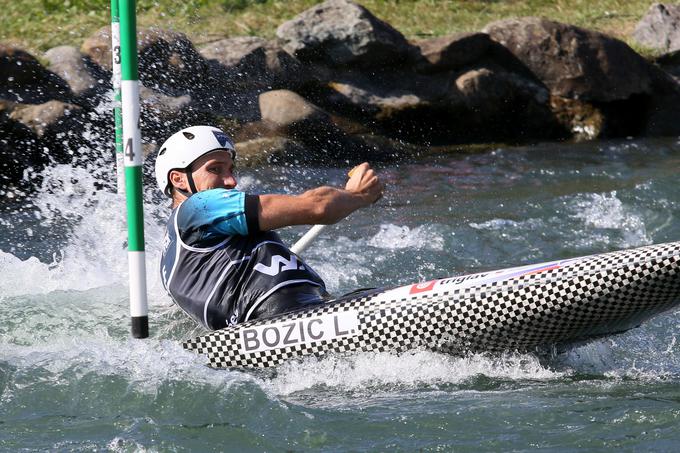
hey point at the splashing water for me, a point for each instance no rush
(68, 366)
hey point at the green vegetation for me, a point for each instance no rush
(38, 25)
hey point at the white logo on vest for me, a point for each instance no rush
(279, 264)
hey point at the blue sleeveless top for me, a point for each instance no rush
(217, 265)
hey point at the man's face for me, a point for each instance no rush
(214, 170)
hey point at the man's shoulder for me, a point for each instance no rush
(211, 208)
(212, 198)
(215, 194)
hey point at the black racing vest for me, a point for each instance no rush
(224, 283)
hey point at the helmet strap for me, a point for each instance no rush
(192, 185)
(190, 179)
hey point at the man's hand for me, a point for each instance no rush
(364, 182)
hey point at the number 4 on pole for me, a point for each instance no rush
(129, 150)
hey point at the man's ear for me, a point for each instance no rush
(178, 179)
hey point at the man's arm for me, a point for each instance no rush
(323, 205)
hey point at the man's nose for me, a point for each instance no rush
(230, 181)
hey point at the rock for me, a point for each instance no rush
(254, 63)
(24, 79)
(573, 62)
(670, 62)
(70, 133)
(168, 61)
(287, 109)
(20, 151)
(400, 104)
(97, 47)
(453, 51)
(660, 28)
(663, 110)
(236, 51)
(42, 116)
(380, 106)
(340, 33)
(73, 67)
(291, 115)
(264, 150)
(160, 104)
(492, 92)
(493, 104)
(161, 113)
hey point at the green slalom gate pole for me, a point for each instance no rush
(132, 155)
(115, 79)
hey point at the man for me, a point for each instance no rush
(222, 262)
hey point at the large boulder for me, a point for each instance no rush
(40, 117)
(290, 112)
(20, 151)
(71, 134)
(452, 51)
(271, 149)
(574, 62)
(250, 62)
(489, 103)
(397, 103)
(97, 47)
(168, 61)
(161, 113)
(291, 115)
(379, 105)
(660, 28)
(75, 69)
(24, 79)
(340, 33)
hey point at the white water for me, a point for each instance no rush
(71, 378)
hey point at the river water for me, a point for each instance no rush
(72, 379)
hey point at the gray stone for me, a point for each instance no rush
(273, 149)
(453, 51)
(69, 64)
(286, 109)
(574, 62)
(97, 47)
(490, 103)
(291, 115)
(254, 63)
(40, 117)
(341, 32)
(168, 61)
(232, 52)
(23, 79)
(20, 150)
(660, 28)
(161, 113)
(380, 106)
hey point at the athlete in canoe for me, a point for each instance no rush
(222, 262)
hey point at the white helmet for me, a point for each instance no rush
(184, 147)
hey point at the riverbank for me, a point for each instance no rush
(338, 83)
(38, 25)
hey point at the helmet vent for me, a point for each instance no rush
(161, 152)
(188, 135)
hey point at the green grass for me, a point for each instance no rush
(38, 25)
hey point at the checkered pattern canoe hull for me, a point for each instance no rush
(580, 300)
